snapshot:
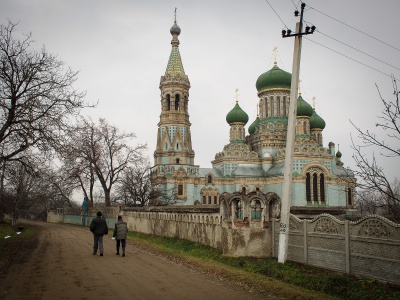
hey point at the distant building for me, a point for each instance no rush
(253, 163)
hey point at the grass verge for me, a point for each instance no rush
(17, 245)
(290, 280)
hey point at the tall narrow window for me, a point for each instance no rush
(284, 107)
(308, 187)
(204, 200)
(272, 107)
(266, 107)
(305, 128)
(180, 189)
(238, 210)
(177, 104)
(168, 102)
(315, 187)
(349, 197)
(278, 106)
(322, 187)
(243, 190)
(177, 161)
(215, 200)
(209, 179)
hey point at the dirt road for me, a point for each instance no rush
(62, 267)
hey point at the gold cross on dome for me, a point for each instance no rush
(275, 55)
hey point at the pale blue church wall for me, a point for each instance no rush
(164, 160)
(336, 195)
(299, 194)
(192, 194)
(274, 188)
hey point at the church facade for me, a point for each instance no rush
(252, 164)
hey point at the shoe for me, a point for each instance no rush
(94, 253)
(117, 253)
(123, 255)
(101, 254)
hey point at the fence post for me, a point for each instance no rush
(273, 238)
(305, 245)
(347, 244)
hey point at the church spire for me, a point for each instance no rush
(175, 66)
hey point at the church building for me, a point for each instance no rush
(253, 161)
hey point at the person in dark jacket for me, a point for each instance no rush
(120, 231)
(98, 227)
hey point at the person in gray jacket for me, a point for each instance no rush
(120, 231)
(98, 227)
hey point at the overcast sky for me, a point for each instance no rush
(121, 49)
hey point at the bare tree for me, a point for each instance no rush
(373, 178)
(104, 151)
(135, 187)
(36, 96)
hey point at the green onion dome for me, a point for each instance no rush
(303, 108)
(252, 128)
(237, 115)
(175, 29)
(316, 122)
(274, 78)
(338, 154)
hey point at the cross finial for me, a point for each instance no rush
(175, 16)
(313, 102)
(237, 95)
(275, 54)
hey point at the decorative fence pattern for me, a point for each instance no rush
(368, 247)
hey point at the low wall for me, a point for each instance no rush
(202, 225)
(368, 247)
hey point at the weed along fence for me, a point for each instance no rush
(369, 247)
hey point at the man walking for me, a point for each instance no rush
(98, 227)
(120, 231)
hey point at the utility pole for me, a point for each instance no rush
(290, 137)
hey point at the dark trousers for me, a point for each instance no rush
(97, 243)
(119, 242)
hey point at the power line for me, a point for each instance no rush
(276, 14)
(355, 29)
(368, 66)
(358, 50)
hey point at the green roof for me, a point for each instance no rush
(303, 108)
(252, 127)
(274, 78)
(316, 122)
(237, 115)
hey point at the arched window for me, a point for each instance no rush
(180, 189)
(308, 187)
(315, 186)
(177, 104)
(322, 187)
(243, 190)
(257, 189)
(168, 102)
(209, 179)
(305, 127)
(266, 108)
(204, 200)
(255, 209)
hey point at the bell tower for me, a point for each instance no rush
(174, 144)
